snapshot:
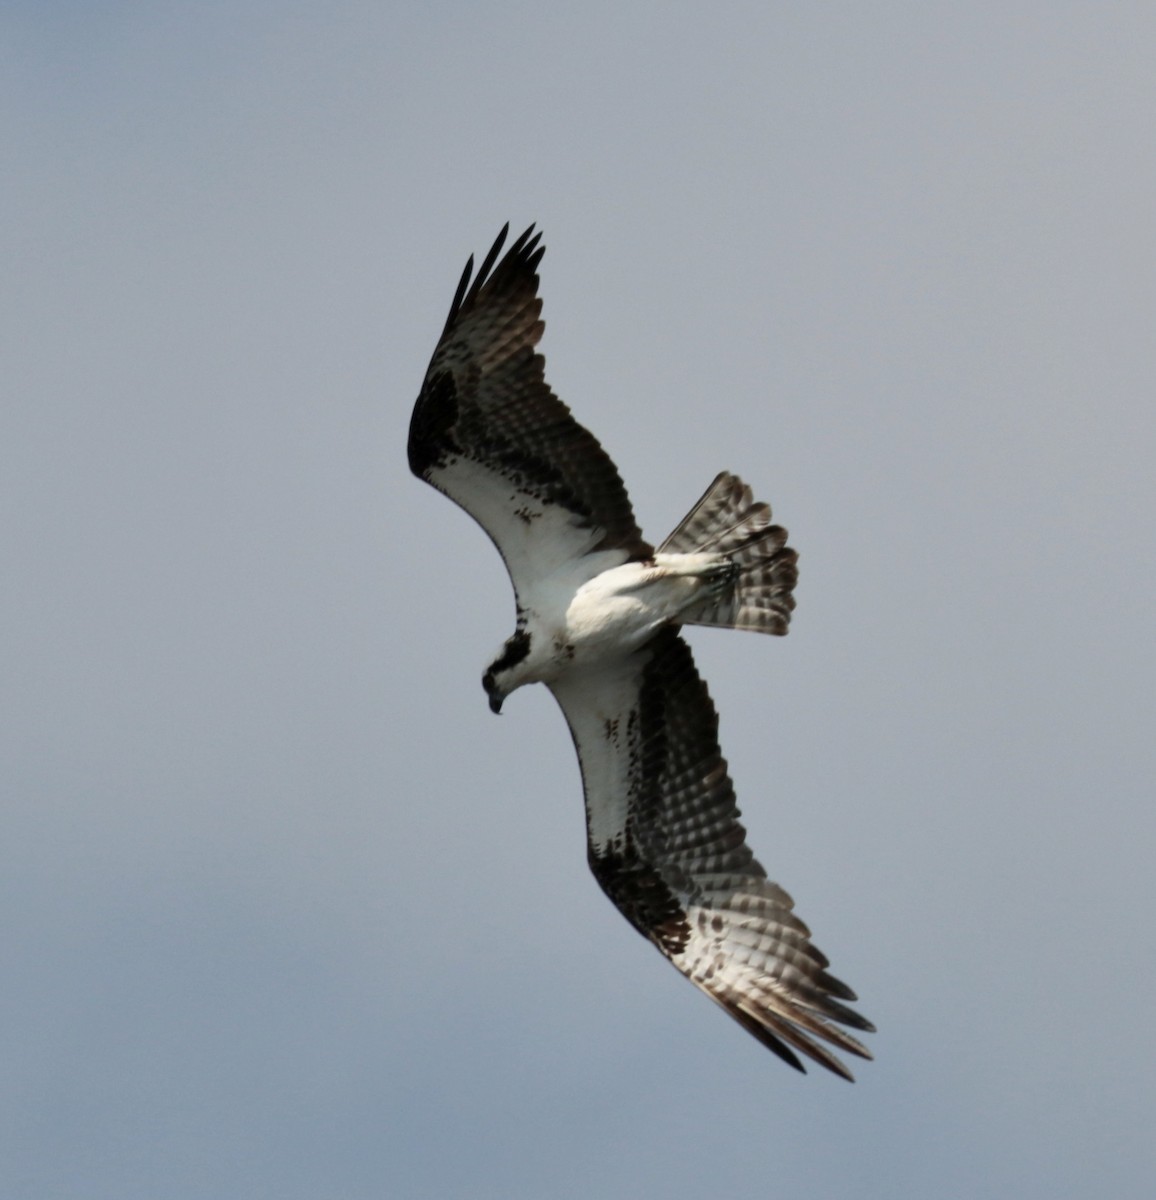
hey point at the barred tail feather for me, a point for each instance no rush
(726, 520)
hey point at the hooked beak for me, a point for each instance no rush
(496, 699)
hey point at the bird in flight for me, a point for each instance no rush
(599, 611)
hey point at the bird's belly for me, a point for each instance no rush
(621, 609)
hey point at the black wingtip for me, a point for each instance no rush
(492, 254)
(524, 252)
(460, 294)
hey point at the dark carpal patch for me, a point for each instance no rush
(644, 899)
(433, 419)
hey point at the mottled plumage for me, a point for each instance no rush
(598, 618)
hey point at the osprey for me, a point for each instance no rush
(598, 616)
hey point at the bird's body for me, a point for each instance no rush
(598, 617)
(572, 626)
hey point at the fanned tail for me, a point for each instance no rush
(727, 521)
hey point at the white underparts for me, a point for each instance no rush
(610, 616)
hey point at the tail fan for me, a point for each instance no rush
(727, 521)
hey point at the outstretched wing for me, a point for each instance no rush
(488, 432)
(666, 845)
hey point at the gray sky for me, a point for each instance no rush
(285, 911)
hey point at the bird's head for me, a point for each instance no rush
(502, 675)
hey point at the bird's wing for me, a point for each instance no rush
(487, 431)
(666, 845)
